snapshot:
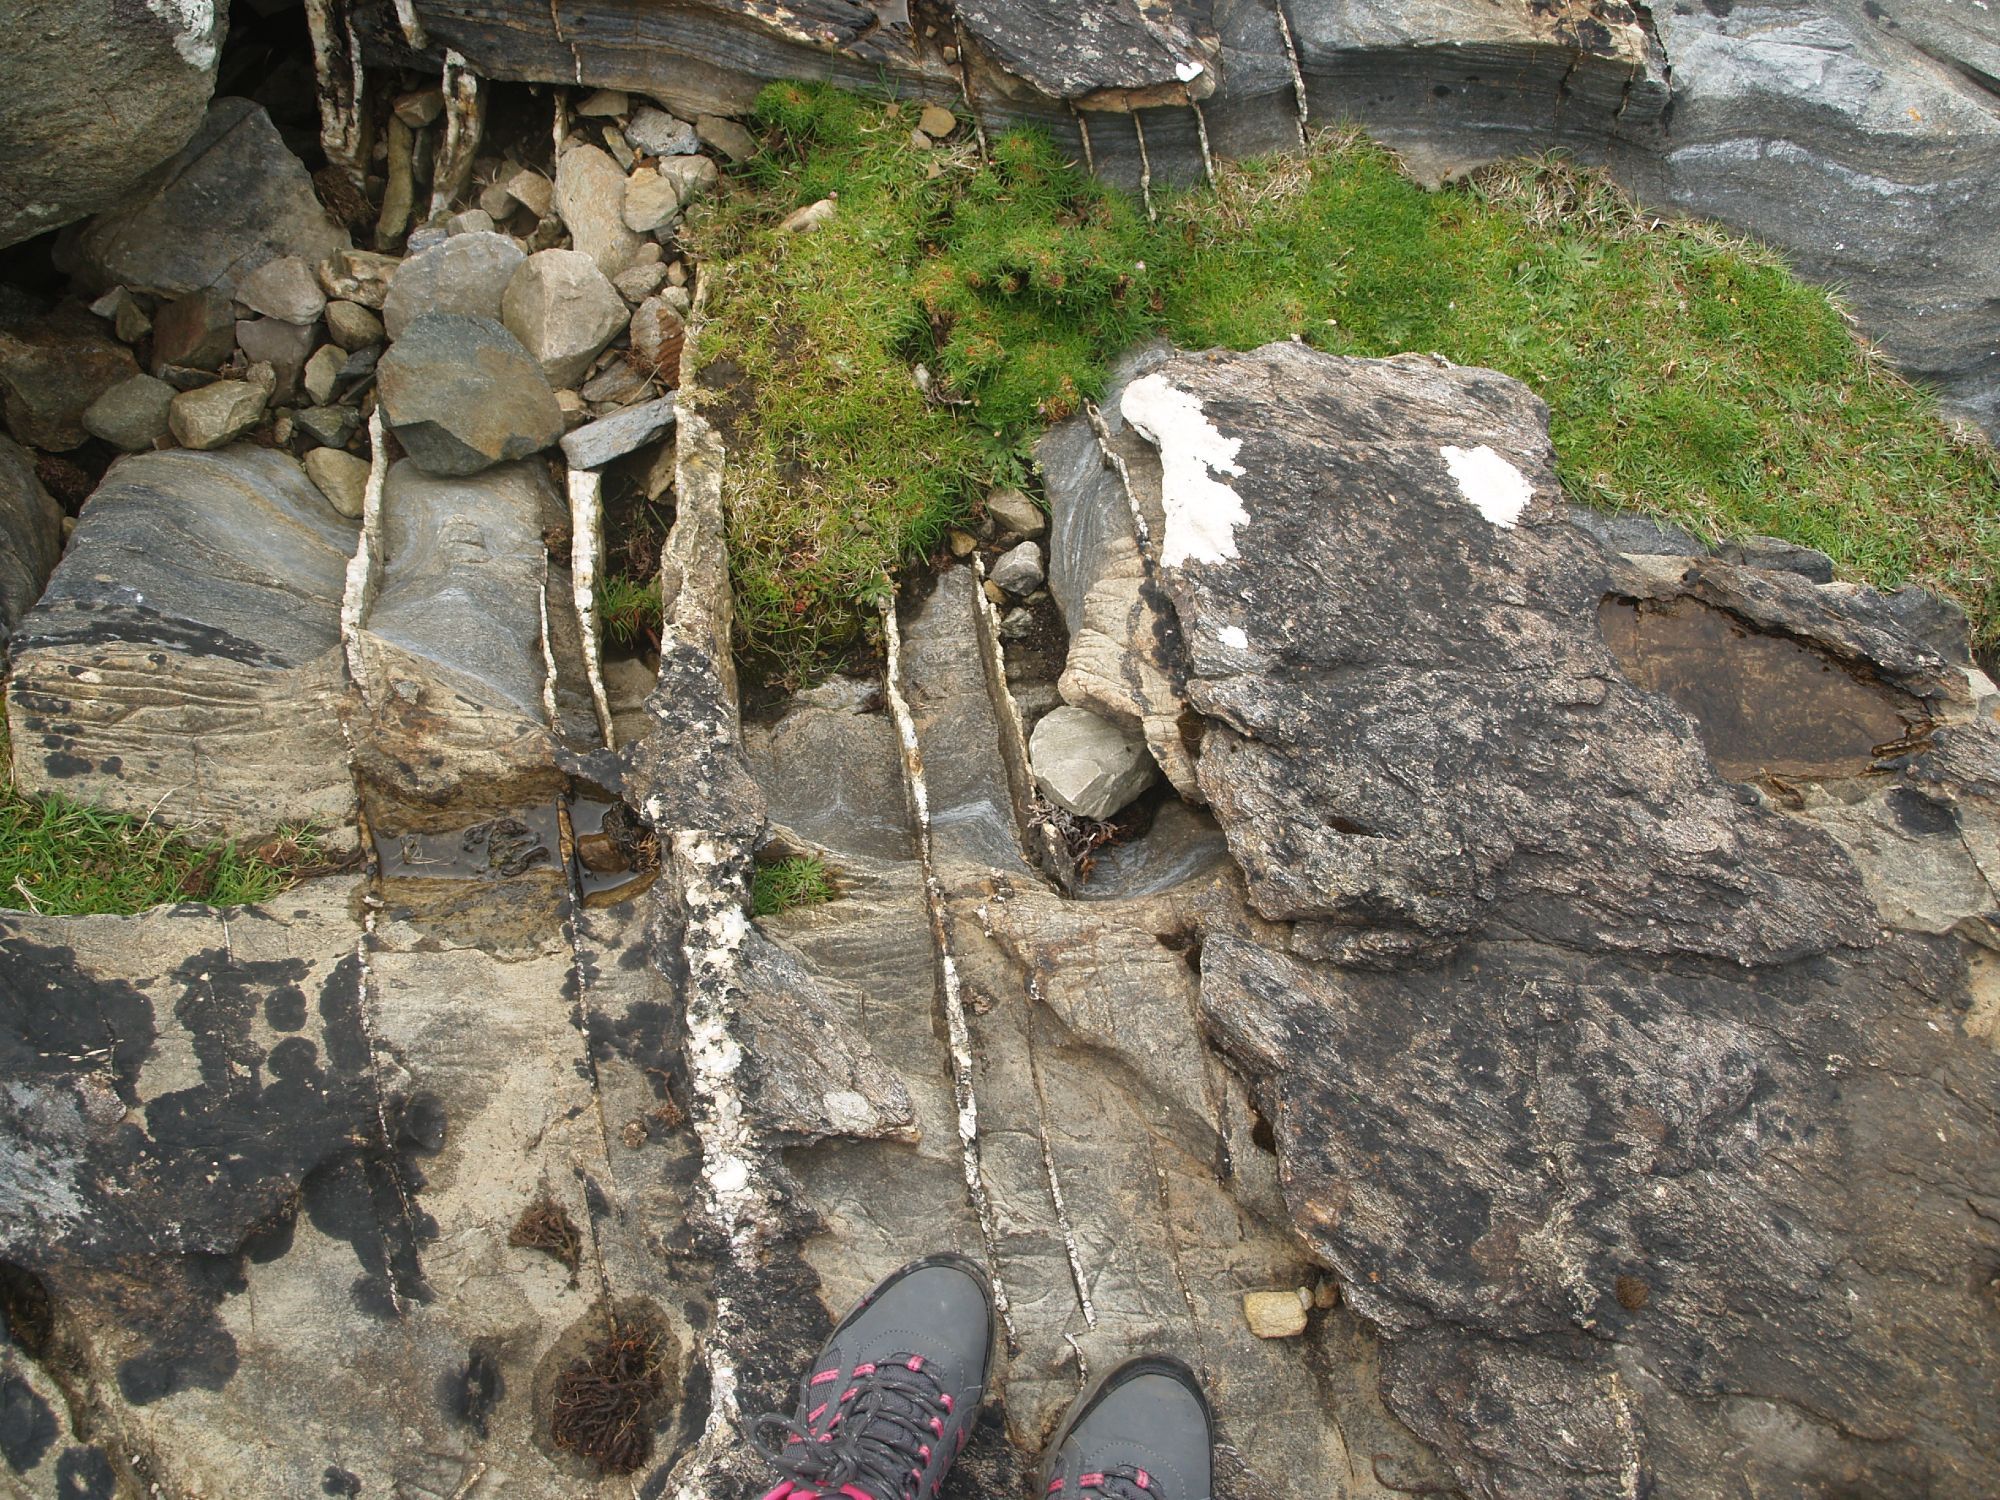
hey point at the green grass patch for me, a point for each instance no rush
(1689, 375)
(785, 884)
(61, 858)
(630, 611)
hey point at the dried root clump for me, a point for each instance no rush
(604, 1401)
(546, 1226)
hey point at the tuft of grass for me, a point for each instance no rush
(61, 858)
(1689, 375)
(787, 883)
(630, 611)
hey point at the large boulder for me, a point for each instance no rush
(93, 95)
(233, 198)
(184, 662)
(464, 395)
(1635, 1106)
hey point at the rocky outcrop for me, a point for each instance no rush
(185, 660)
(1858, 137)
(1634, 1103)
(93, 96)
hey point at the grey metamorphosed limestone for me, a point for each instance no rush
(352, 326)
(358, 276)
(692, 176)
(234, 198)
(651, 202)
(590, 197)
(1086, 763)
(1014, 513)
(212, 415)
(184, 662)
(197, 331)
(561, 308)
(463, 394)
(341, 477)
(30, 534)
(466, 273)
(132, 415)
(281, 345)
(322, 373)
(1018, 570)
(726, 136)
(598, 443)
(658, 133)
(94, 94)
(284, 288)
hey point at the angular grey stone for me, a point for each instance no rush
(132, 415)
(197, 331)
(533, 192)
(128, 320)
(623, 432)
(283, 346)
(659, 333)
(30, 534)
(638, 282)
(472, 221)
(1088, 764)
(51, 368)
(322, 373)
(1774, 552)
(561, 308)
(692, 176)
(651, 202)
(590, 196)
(93, 95)
(1019, 569)
(212, 415)
(604, 104)
(353, 326)
(232, 199)
(726, 136)
(1015, 514)
(184, 662)
(341, 477)
(657, 133)
(463, 394)
(617, 382)
(286, 289)
(466, 274)
(330, 426)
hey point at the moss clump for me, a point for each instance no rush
(784, 884)
(873, 375)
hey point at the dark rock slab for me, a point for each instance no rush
(232, 199)
(30, 534)
(93, 96)
(52, 367)
(185, 660)
(1431, 684)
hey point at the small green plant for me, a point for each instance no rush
(630, 611)
(873, 375)
(785, 884)
(61, 858)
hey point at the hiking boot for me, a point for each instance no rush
(1141, 1432)
(887, 1405)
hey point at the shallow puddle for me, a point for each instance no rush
(1765, 705)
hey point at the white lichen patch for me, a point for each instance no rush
(1202, 513)
(1233, 637)
(1491, 485)
(193, 23)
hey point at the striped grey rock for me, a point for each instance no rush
(185, 660)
